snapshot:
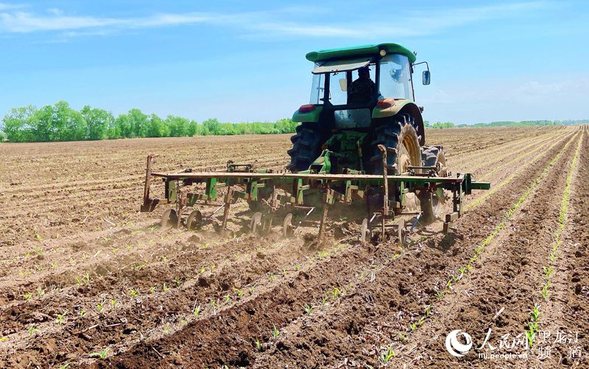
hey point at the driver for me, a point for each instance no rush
(362, 90)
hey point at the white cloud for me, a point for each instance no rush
(274, 23)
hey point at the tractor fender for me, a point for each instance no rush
(402, 106)
(307, 115)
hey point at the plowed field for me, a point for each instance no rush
(86, 280)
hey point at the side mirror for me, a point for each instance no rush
(426, 77)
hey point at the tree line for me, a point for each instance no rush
(508, 123)
(59, 122)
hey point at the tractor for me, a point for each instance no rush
(347, 126)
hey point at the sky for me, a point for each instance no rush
(245, 60)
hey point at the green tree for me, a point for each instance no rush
(58, 122)
(122, 128)
(178, 126)
(18, 125)
(211, 127)
(157, 127)
(138, 122)
(98, 121)
(192, 128)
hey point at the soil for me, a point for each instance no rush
(89, 281)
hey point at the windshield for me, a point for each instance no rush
(395, 77)
(345, 87)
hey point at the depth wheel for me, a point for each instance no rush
(256, 222)
(287, 227)
(401, 232)
(169, 219)
(365, 232)
(432, 202)
(194, 221)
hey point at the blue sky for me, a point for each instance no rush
(244, 60)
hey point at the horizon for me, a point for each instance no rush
(490, 61)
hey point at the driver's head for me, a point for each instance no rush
(364, 72)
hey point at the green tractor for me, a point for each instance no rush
(362, 100)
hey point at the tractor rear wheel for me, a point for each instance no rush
(306, 147)
(403, 150)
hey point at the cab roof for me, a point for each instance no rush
(358, 51)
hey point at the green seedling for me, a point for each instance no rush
(32, 330)
(133, 293)
(100, 307)
(165, 288)
(535, 314)
(308, 309)
(82, 313)
(275, 332)
(387, 355)
(239, 292)
(60, 319)
(533, 325)
(196, 311)
(336, 293)
(83, 280)
(258, 345)
(102, 354)
(545, 292)
(428, 310)
(413, 327)
(28, 296)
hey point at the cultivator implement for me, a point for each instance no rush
(293, 199)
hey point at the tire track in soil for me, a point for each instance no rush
(498, 290)
(475, 201)
(364, 348)
(567, 310)
(499, 152)
(478, 141)
(237, 329)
